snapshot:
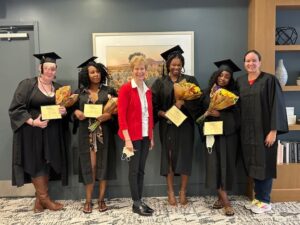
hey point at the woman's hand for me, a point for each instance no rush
(40, 123)
(179, 103)
(151, 144)
(271, 138)
(128, 144)
(79, 114)
(62, 110)
(162, 114)
(214, 113)
(104, 117)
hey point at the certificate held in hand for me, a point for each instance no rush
(92, 110)
(50, 112)
(175, 116)
(213, 128)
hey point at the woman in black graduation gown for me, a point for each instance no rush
(221, 161)
(97, 150)
(263, 117)
(39, 151)
(176, 142)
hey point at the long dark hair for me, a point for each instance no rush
(84, 79)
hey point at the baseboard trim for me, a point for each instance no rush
(7, 190)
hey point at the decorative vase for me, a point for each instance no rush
(281, 73)
(298, 81)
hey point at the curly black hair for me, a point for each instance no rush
(84, 80)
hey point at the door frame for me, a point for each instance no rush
(7, 190)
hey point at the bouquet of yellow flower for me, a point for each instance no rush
(186, 91)
(64, 98)
(220, 98)
(110, 107)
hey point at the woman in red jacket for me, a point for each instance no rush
(136, 128)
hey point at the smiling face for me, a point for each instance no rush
(252, 63)
(223, 79)
(94, 75)
(139, 71)
(175, 67)
(49, 70)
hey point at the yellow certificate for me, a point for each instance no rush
(50, 112)
(175, 115)
(213, 128)
(92, 110)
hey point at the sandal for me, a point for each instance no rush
(182, 198)
(229, 211)
(171, 198)
(87, 208)
(218, 204)
(102, 206)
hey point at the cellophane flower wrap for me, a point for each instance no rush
(184, 90)
(110, 107)
(220, 98)
(63, 97)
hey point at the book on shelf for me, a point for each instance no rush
(288, 152)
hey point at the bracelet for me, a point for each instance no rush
(127, 140)
(32, 123)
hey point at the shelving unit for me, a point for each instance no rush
(294, 127)
(261, 36)
(287, 48)
(287, 187)
(291, 88)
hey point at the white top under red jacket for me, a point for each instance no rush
(130, 114)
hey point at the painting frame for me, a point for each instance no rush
(110, 45)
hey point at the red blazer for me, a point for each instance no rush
(130, 112)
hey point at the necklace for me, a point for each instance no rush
(49, 94)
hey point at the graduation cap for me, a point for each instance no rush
(47, 57)
(85, 63)
(227, 65)
(175, 50)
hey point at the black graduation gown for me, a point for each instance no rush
(176, 141)
(221, 163)
(106, 153)
(33, 147)
(262, 110)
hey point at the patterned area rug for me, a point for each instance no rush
(198, 211)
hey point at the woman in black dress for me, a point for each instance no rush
(263, 117)
(97, 151)
(221, 161)
(39, 152)
(177, 143)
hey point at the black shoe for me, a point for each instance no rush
(141, 210)
(147, 207)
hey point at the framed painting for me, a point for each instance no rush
(113, 50)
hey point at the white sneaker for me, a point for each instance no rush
(261, 207)
(251, 204)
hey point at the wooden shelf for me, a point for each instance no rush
(287, 48)
(289, 4)
(294, 127)
(286, 187)
(291, 88)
